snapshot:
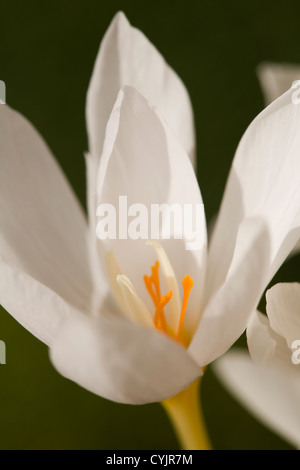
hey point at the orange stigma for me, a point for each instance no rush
(160, 301)
(152, 284)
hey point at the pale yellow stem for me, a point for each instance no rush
(185, 413)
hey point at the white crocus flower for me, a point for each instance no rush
(269, 385)
(99, 323)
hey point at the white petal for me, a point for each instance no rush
(261, 339)
(269, 394)
(283, 308)
(122, 361)
(99, 276)
(36, 307)
(267, 347)
(144, 162)
(126, 57)
(276, 79)
(264, 182)
(43, 229)
(226, 315)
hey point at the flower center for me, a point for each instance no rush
(152, 284)
(132, 305)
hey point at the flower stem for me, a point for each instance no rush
(185, 413)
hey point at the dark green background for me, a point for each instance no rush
(47, 54)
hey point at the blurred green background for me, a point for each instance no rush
(47, 54)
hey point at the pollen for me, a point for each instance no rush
(152, 284)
